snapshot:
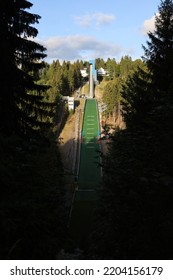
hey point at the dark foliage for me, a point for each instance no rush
(32, 209)
(135, 215)
(21, 59)
(33, 217)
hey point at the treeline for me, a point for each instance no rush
(116, 69)
(63, 78)
(117, 74)
(135, 217)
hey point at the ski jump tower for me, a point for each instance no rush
(92, 78)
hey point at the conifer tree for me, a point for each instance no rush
(146, 90)
(159, 50)
(21, 59)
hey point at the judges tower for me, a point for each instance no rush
(92, 78)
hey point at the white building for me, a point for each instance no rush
(70, 103)
(101, 72)
(84, 72)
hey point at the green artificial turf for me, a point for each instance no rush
(90, 171)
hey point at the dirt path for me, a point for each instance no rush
(67, 139)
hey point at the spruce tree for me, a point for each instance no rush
(21, 106)
(31, 196)
(146, 90)
(159, 51)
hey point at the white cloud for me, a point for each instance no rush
(94, 19)
(149, 25)
(75, 47)
(102, 19)
(84, 21)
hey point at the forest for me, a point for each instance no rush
(134, 216)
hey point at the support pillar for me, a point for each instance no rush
(91, 83)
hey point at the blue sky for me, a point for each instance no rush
(78, 29)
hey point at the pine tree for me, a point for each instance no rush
(21, 106)
(137, 98)
(29, 174)
(159, 50)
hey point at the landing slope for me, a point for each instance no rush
(90, 171)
